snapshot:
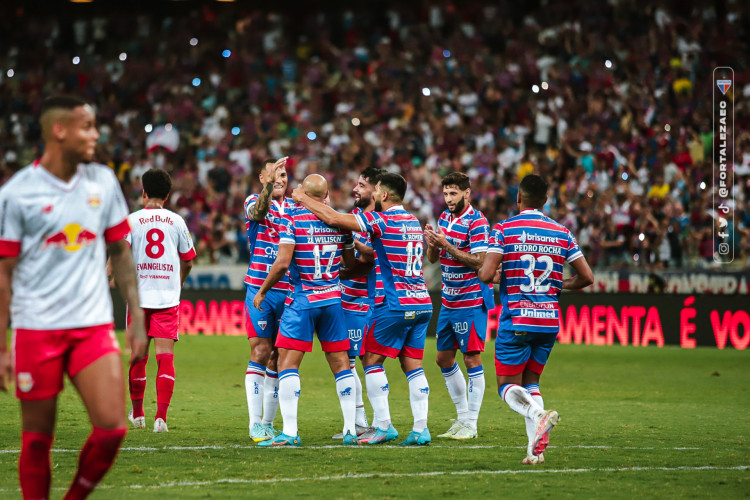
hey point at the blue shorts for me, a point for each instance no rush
(265, 323)
(517, 351)
(463, 329)
(297, 327)
(398, 332)
(357, 325)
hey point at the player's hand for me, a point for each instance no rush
(6, 370)
(135, 336)
(276, 170)
(258, 300)
(496, 279)
(298, 194)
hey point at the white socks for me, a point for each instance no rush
(254, 382)
(520, 401)
(289, 392)
(361, 418)
(456, 385)
(346, 392)
(475, 394)
(376, 383)
(270, 397)
(419, 392)
(533, 390)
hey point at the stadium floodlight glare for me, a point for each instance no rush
(535, 88)
(608, 64)
(123, 56)
(193, 42)
(10, 73)
(702, 185)
(312, 135)
(226, 53)
(545, 85)
(168, 127)
(624, 176)
(148, 128)
(426, 92)
(446, 53)
(76, 60)
(355, 122)
(667, 127)
(641, 237)
(196, 82)
(235, 130)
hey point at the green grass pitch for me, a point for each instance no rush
(635, 422)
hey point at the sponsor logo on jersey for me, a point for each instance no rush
(409, 315)
(536, 237)
(72, 238)
(535, 313)
(46, 209)
(461, 328)
(25, 382)
(346, 392)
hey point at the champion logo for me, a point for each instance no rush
(262, 324)
(724, 85)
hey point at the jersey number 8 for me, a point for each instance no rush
(154, 247)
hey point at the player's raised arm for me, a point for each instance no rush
(583, 278)
(7, 265)
(325, 213)
(123, 270)
(273, 174)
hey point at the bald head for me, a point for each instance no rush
(315, 186)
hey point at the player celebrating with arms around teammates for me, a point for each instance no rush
(400, 323)
(530, 250)
(461, 242)
(56, 217)
(312, 252)
(358, 294)
(163, 252)
(263, 213)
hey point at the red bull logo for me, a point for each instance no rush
(72, 238)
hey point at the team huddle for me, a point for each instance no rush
(356, 281)
(353, 279)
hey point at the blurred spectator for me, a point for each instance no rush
(606, 100)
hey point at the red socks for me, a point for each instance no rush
(137, 383)
(97, 456)
(164, 384)
(34, 469)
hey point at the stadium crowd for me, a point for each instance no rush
(607, 100)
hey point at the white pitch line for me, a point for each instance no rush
(364, 446)
(375, 475)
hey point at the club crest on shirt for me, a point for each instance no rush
(94, 200)
(25, 382)
(262, 324)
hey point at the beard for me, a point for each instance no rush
(378, 206)
(363, 202)
(459, 207)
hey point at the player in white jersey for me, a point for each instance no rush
(163, 253)
(58, 218)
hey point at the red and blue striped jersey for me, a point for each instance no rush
(398, 241)
(358, 294)
(314, 270)
(264, 242)
(534, 249)
(470, 233)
